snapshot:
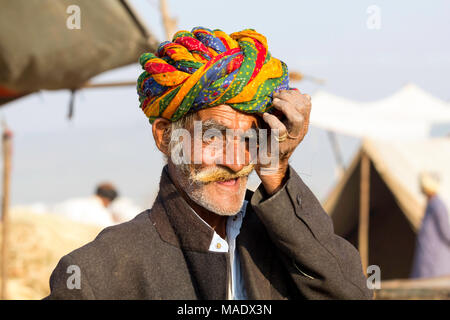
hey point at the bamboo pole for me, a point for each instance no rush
(298, 76)
(151, 41)
(364, 211)
(6, 141)
(90, 85)
(337, 153)
(169, 23)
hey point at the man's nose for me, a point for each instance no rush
(235, 155)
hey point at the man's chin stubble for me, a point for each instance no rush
(199, 197)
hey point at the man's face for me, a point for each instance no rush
(218, 187)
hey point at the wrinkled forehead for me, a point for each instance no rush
(228, 117)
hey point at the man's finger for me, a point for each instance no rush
(274, 123)
(294, 117)
(284, 95)
(303, 105)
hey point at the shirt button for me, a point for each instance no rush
(299, 200)
(218, 245)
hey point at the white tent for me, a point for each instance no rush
(409, 113)
(399, 164)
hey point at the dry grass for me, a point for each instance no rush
(37, 242)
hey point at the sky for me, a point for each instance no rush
(110, 139)
(331, 40)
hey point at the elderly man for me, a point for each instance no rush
(207, 236)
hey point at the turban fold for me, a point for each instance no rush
(205, 68)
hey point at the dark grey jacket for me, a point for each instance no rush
(287, 247)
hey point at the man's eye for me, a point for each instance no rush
(212, 139)
(209, 140)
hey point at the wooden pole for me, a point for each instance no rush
(170, 24)
(364, 211)
(6, 141)
(337, 152)
(90, 85)
(298, 76)
(151, 41)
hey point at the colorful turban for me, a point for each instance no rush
(205, 68)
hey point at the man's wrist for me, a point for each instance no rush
(274, 181)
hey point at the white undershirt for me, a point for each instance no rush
(236, 288)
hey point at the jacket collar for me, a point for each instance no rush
(179, 225)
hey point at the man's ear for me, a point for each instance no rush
(160, 130)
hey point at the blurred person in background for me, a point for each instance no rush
(91, 210)
(432, 255)
(124, 209)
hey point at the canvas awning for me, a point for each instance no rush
(38, 51)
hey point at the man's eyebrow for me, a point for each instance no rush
(213, 124)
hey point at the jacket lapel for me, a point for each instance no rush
(255, 256)
(179, 225)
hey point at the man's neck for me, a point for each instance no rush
(217, 222)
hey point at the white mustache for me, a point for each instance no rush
(220, 174)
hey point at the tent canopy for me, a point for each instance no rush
(409, 113)
(38, 50)
(399, 164)
(396, 204)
